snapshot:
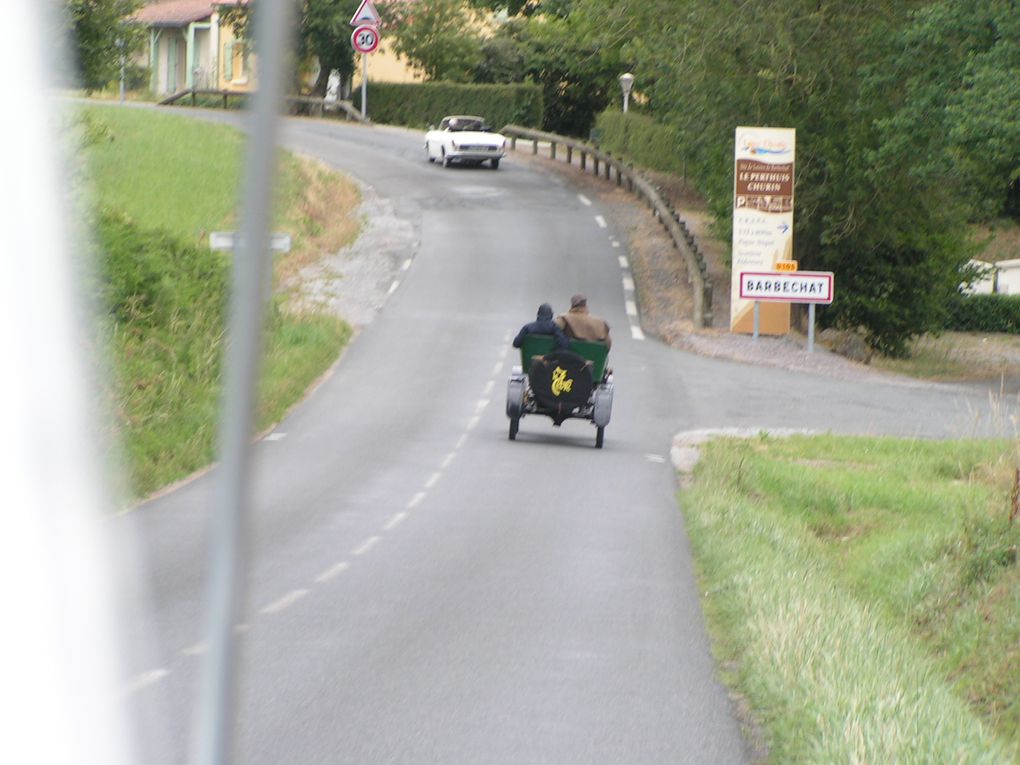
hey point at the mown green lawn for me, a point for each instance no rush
(864, 594)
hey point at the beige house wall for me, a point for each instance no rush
(384, 66)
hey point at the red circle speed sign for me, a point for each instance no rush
(365, 38)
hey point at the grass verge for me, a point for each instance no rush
(863, 594)
(160, 183)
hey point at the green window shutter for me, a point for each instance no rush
(228, 61)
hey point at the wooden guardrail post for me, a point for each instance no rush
(570, 154)
(534, 146)
(552, 150)
(584, 160)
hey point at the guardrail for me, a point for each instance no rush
(605, 165)
(316, 107)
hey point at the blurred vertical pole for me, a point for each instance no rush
(60, 681)
(228, 564)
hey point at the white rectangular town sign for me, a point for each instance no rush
(786, 286)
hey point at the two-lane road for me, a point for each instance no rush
(424, 590)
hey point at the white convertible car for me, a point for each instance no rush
(461, 138)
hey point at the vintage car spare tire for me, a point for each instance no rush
(560, 381)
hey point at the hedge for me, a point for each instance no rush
(419, 105)
(641, 139)
(984, 313)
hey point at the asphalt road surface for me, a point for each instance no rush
(422, 589)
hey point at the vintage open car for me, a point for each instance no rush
(561, 385)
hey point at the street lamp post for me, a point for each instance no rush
(626, 83)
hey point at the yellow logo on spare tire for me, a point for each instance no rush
(560, 383)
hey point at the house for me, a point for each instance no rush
(192, 47)
(189, 47)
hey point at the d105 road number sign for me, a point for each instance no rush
(787, 287)
(365, 38)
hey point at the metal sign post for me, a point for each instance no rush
(811, 287)
(365, 39)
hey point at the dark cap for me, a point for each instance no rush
(578, 301)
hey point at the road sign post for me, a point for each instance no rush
(811, 287)
(364, 39)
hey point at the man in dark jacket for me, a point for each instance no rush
(580, 324)
(543, 325)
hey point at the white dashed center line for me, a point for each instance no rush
(432, 480)
(332, 572)
(393, 287)
(146, 679)
(601, 221)
(275, 437)
(367, 545)
(415, 500)
(631, 307)
(584, 200)
(286, 601)
(448, 460)
(395, 521)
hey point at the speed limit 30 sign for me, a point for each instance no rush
(365, 38)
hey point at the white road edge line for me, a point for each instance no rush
(449, 458)
(498, 368)
(636, 333)
(395, 521)
(473, 422)
(615, 243)
(286, 601)
(601, 221)
(416, 499)
(333, 572)
(407, 265)
(275, 437)
(482, 403)
(631, 307)
(461, 441)
(488, 387)
(146, 679)
(393, 287)
(584, 200)
(628, 284)
(433, 479)
(623, 261)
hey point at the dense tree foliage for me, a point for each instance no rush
(99, 38)
(443, 38)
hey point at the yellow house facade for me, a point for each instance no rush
(191, 47)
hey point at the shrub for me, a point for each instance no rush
(421, 104)
(984, 313)
(642, 140)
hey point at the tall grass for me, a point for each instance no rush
(864, 594)
(160, 184)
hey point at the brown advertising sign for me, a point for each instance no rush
(763, 200)
(768, 188)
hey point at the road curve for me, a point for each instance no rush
(422, 589)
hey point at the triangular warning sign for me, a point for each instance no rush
(367, 14)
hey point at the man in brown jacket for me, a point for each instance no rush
(580, 324)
